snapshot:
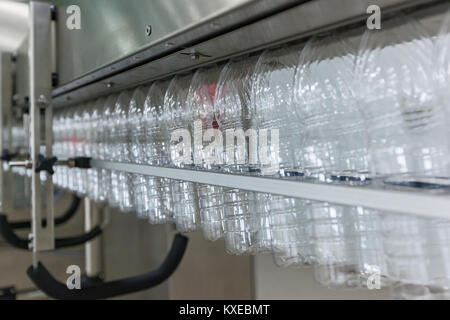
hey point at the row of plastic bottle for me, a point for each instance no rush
(348, 110)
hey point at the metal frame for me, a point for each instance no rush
(388, 200)
(6, 92)
(295, 23)
(158, 43)
(93, 248)
(40, 63)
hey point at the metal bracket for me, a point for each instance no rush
(402, 201)
(40, 63)
(6, 94)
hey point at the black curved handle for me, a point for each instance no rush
(57, 290)
(70, 212)
(14, 240)
(7, 156)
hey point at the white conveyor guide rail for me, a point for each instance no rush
(418, 203)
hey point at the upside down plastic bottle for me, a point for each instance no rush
(346, 240)
(246, 224)
(94, 184)
(121, 153)
(136, 149)
(178, 123)
(106, 137)
(200, 104)
(408, 146)
(273, 109)
(157, 153)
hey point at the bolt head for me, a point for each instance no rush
(148, 30)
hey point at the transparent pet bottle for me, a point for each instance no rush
(200, 104)
(408, 146)
(159, 202)
(106, 140)
(71, 145)
(442, 67)
(65, 146)
(136, 149)
(84, 148)
(121, 147)
(273, 109)
(179, 120)
(246, 228)
(77, 121)
(95, 189)
(335, 150)
(58, 141)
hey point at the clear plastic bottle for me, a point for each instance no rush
(83, 132)
(442, 70)
(64, 147)
(185, 196)
(106, 139)
(94, 174)
(136, 149)
(121, 152)
(408, 142)
(71, 146)
(58, 178)
(78, 137)
(159, 202)
(200, 104)
(335, 150)
(246, 227)
(273, 108)
(291, 241)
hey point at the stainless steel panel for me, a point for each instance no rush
(93, 248)
(292, 24)
(427, 204)
(114, 29)
(5, 120)
(13, 24)
(22, 74)
(40, 97)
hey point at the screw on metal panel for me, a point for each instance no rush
(109, 84)
(42, 101)
(149, 30)
(195, 56)
(215, 25)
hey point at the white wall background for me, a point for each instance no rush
(272, 282)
